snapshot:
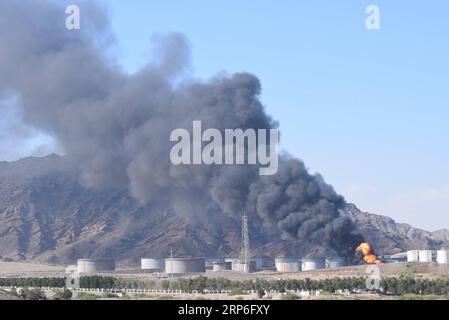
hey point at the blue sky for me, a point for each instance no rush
(369, 110)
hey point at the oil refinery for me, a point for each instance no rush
(245, 263)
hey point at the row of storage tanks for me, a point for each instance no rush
(194, 265)
(441, 256)
(295, 264)
(170, 265)
(175, 265)
(198, 265)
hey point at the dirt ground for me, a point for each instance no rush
(424, 270)
(19, 269)
(428, 270)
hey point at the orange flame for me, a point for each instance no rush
(368, 257)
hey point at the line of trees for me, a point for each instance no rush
(388, 286)
(216, 284)
(97, 282)
(33, 282)
(392, 286)
(88, 282)
(409, 285)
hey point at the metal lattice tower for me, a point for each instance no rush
(244, 244)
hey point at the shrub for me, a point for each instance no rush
(65, 294)
(33, 294)
(290, 296)
(86, 296)
(236, 292)
(165, 284)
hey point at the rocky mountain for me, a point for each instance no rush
(47, 215)
(388, 236)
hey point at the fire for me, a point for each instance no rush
(368, 257)
(364, 248)
(371, 259)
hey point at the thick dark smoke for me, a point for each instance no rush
(117, 126)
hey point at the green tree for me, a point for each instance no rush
(65, 294)
(165, 284)
(33, 294)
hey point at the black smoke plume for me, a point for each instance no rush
(116, 126)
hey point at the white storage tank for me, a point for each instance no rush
(334, 262)
(218, 266)
(425, 256)
(243, 267)
(258, 263)
(308, 264)
(287, 264)
(152, 264)
(442, 256)
(412, 256)
(95, 265)
(185, 265)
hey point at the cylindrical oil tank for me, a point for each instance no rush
(258, 263)
(244, 267)
(287, 264)
(425, 256)
(218, 266)
(185, 265)
(152, 264)
(442, 256)
(95, 265)
(308, 264)
(413, 256)
(334, 262)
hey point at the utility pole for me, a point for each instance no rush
(244, 244)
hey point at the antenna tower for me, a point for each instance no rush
(244, 244)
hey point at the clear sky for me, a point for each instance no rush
(368, 109)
